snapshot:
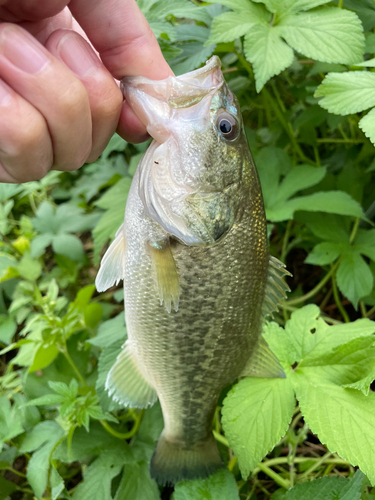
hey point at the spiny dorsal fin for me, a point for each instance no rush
(112, 266)
(276, 287)
(263, 363)
(126, 384)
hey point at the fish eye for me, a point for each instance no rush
(228, 126)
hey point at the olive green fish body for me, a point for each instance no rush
(193, 255)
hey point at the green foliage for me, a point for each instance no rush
(61, 436)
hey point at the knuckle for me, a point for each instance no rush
(109, 105)
(73, 101)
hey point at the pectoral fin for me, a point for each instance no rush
(126, 384)
(263, 363)
(165, 275)
(112, 266)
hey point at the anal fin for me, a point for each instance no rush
(126, 384)
(165, 275)
(263, 363)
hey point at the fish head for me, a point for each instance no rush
(191, 177)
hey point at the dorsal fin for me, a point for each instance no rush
(276, 287)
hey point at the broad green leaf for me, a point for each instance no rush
(328, 488)
(267, 52)
(110, 332)
(97, 480)
(365, 243)
(328, 35)
(93, 314)
(193, 55)
(343, 419)
(6, 488)
(29, 268)
(343, 365)
(39, 464)
(345, 93)
(336, 202)
(44, 356)
(297, 179)
(325, 253)
(47, 399)
(354, 277)
(231, 25)
(10, 420)
(136, 484)
(8, 328)
(68, 245)
(44, 221)
(257, 411)
(56, 483)
(219, 486)
(365, 10)
(328, 227)
(83, 297)
(282, 7)
(367, 125)
(40, 243)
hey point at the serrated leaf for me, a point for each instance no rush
(257, 411)
(367, 125)
(47, 399)
(345, 93)
(10, 420)
(328, 227)
(40, 243)
(365, 243)
(136, 484)
(193, 55)
(297, 179)
(229, 26)
(110, 332)
(325, 253)
(219, 486)
(328, 488)
(354, 277)
(290, 6)
(343, 419)
(97, 480)
(328, 35)
(267, 52)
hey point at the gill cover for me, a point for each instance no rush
(179, 177)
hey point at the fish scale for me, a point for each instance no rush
(195, 266)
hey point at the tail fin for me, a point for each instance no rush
(172, 463)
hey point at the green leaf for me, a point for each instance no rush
(10, 420)
(231, 25)
(328, 488)
(47, 399)
(367, 125)
(297, 179)
(325, 253)
(136, 484)
(343, 419)
(365, 243)
(40, 243)
(328, 35)
(44, 436)
(336, 202)
(44, 356)
(328, 227)
(257, 411)
(6, 488)
(290, 6)
(107, 359)
(93, 314)
(8, 328)
(267, 52)
(68, 245)
(56, 482)
(345, 93)
(29, 268)
(354, 277)
(97, 480)
(110, 332)
(219, 486)
(192, 56)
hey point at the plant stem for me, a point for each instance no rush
(336, 296)
(370, 312)
(285, 240)
(66, 354)
(124, 435)
(317, 464)
(311, 293)
(354, 230)
(340, 141)
(232, 463)
(284, 483)
(363, 309)
(220, 438)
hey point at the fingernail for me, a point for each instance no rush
(77, 54)
(5, 95)
(22, 50)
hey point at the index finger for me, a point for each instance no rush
(122, 36)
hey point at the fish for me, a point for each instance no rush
(197, 274)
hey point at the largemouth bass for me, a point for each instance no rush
(193, 254)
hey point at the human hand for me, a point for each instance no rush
(59, 103)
